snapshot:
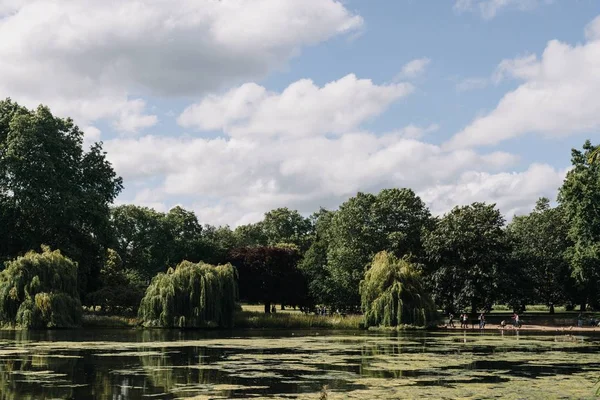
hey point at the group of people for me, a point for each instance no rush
(464, 321)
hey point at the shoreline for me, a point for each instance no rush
(528, 328)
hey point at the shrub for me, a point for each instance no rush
(39, 290)
(392, 294)
(191, 296)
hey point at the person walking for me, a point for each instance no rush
(482, 321)
(517, 322)
(451, 320)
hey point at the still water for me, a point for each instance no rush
(133, 364)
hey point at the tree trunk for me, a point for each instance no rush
(582, 305)
(282, 306)
(267, 307)
(551, 308)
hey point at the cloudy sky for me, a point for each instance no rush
(235, 107)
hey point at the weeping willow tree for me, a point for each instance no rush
(191, 296)
(39, 290)
(393, 294)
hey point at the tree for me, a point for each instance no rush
(365, 225)
(216, 243)
(250, 235)
(39, 290)
(120, 289)
(286, 226)
(314, 262)
(467, 255)
(142, 239)
(580, 198)
(594, 156)
(268, 275)
(392, 293)
(191, 296)
(51, 190)
(185, 234)
(539, 241)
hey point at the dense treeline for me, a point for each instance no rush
(55, 193)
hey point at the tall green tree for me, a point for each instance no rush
(392, 220)
(283, 225)
(467, 254)
(185, 233)
(250, 235)
(217, 242)
(121, 290)
(314, 262)
(143, 239)
(269, 275)
(52, 191)
(540, 272)
(580, 197)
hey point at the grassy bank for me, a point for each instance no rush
(108, 321)
(246, 320)
(283, 320)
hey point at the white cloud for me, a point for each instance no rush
(413, 68)
(302, 109)
(523, 68)
(592, 30)
(557, 96)
(514, 193)
(488, 9)
(236, 180)
(416, 132)
(96, 59)
(91, 135)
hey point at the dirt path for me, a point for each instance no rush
(534, 328)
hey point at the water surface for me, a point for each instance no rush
(157, 364)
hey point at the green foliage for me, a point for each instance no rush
(539, 272)
(314, 263)
(39, 290)
(121, 290)
(191, 296)
(216, 243)
(269, 274)
(467, 254)
(250, 235)
(393, 294)
(365, 225)
(143, 239)
(51, 190)
(286, 226)
(580, 197)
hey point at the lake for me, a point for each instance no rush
(156, 364)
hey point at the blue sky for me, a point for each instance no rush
(236, 107)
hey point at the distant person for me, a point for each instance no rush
(516, 322)
(273, 309)
(580, 320)
(503, 324)
(451, 320)
(482, 321)
(463, 320)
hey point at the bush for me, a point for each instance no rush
(393, 294)
(39, 290)
(191, 296)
